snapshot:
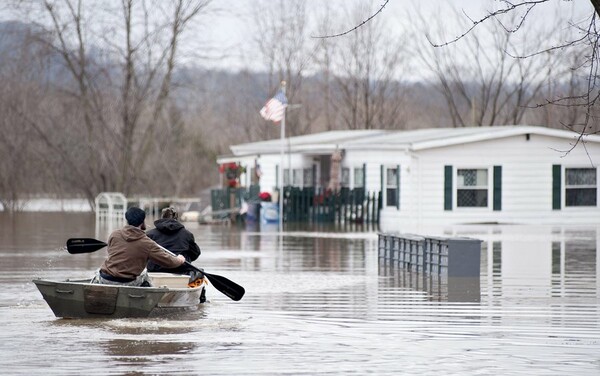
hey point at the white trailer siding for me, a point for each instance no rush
(373, 160)
(526, 182)
(268, 167)
(526, 156)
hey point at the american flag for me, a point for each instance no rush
(274, 109)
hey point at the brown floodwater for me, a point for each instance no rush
(318, 301)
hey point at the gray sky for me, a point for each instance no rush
(231, 33)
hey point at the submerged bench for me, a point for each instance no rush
(447, 257)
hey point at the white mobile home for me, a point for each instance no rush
(443, 176)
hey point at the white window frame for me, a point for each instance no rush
(297, 177)
(490, 187)
(353, 176)
(388, 186)
(348, 183)
(307, 176)
(564, 188)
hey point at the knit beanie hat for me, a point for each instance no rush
(135, 216)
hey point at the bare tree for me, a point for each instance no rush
(324, 56)
(117, 82)
(589, 37)
(586, 37)
(281, 38)
(24, 168)
(481, 83)
(367, 65)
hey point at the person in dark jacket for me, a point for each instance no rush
(173, 235)
(129, 250)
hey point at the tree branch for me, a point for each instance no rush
(357, 26)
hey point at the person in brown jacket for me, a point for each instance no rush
(129, 250)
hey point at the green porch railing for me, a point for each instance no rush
(322, 205)
(307, 205)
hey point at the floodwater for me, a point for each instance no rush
(317, 302)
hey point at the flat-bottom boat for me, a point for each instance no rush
(79, 298)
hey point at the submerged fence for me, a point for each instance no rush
(322, 205)
(447, 268)
(453, 257)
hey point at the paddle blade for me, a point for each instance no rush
(84, 245)
(226, 286)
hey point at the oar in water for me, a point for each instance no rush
(226, 286)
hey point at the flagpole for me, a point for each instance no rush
(282, 162)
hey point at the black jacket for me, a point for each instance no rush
(172, 235)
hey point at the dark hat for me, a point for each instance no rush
(135, 216)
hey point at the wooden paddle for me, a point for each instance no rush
(224, 285)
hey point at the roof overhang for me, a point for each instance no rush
(387, 141)
(503, 132)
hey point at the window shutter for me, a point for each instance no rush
(497, 188)
(556, 182)
(398, 187)
(447, 187)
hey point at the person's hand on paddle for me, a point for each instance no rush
(181, 258)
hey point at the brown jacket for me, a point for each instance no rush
(129, 250)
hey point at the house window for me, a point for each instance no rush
(345, 177)
(580, 187)
(359, 177)
(391, 192)
(472, 188)
(308, 177)
(297, 177)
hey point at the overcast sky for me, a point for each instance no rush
(231, 35)
(225, 36)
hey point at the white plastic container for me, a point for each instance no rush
(175, 281)
(269, 212)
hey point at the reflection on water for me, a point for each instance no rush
(139, 351)
(438, 288)
(318, 300)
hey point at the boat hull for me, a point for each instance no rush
(81, 299)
